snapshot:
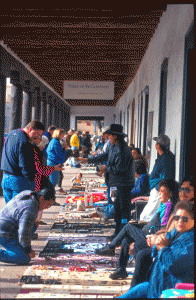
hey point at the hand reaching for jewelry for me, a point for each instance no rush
(58, 167)
(32, 254)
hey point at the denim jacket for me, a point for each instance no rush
(164, 168)
(172, 264)
(56, 154)
(141, 187)
(18, 156)
(17, 219)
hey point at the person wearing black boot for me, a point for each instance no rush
(131, 234)
(120, 169)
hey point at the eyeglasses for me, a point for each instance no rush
(184, 219)
(186, 190)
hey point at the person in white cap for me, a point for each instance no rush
(164, 168)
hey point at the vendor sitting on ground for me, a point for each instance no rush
(131, 233)
(141, 187)
(142, 250)
(173, 257)
(17, 224)
(136, 153)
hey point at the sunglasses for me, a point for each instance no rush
(186, 190)
(184, 219)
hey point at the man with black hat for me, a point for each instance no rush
(164, 168)
(120, 169)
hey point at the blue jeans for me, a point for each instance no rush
(13, 253)
(138, 291)
(12, 185)
(54, 177)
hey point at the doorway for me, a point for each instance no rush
(91, 124)
(146, 91)
(163, 96)
(187, 140)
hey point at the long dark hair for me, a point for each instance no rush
(121, 141)
(189, 179)
(48, 192)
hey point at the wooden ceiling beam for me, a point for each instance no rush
(81, 44)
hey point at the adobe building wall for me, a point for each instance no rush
(167, 42)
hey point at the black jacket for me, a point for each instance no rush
(87, 142)
(119, 164)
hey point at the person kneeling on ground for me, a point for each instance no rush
(17, 224)
(131, 233)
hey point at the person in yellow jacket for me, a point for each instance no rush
(74, 141)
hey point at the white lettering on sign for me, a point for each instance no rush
(91, 90)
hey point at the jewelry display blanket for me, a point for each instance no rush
(73, 245)
(72, 283)
(80, 227)
(96, 198)
(73, 275)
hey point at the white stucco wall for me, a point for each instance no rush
(102, 111)
(167, 42)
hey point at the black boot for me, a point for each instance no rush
(107, 251)
(120, 273)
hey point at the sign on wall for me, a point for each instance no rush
(92, 90)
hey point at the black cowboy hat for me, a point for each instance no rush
(116, 129)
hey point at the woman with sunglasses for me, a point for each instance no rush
(173, 256)
(142, 251)
(186, 190)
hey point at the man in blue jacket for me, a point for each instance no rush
(164, 168)
(18, 160)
